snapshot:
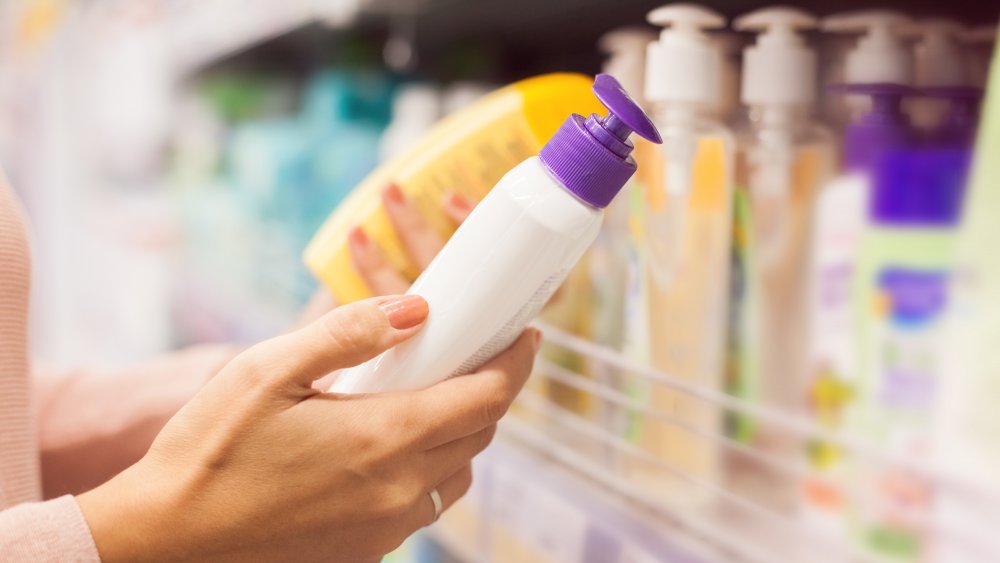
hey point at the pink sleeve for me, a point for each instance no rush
(94, 425)
(46, 532)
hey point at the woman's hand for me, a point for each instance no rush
(420, 241)
(260, 466)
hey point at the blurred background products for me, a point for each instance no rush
(780, 346)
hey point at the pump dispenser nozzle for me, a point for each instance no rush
(779, 85)
(683, 81)
(684, 64)
(591, 156)
(780, 68)
(881, 55)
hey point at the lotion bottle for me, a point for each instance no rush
(514, 250)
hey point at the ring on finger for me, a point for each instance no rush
(438, 505)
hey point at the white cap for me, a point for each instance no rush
(780, 68)
(684, 64)
(881, 55)
(939, 57)
(627, 62)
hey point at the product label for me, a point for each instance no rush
(908, 311)
(512, 329)
(912, 302)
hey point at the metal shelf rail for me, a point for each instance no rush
(553, 488)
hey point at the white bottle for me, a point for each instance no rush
(514, 250)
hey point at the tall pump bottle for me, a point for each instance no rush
(685, 242)
(784, 158)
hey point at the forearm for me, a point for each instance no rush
(94, 425)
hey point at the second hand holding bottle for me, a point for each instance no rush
(514, 250)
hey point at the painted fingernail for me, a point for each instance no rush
(405, 311)
(395, 195)
(358, 237)
(460, 202)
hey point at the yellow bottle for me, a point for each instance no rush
(466, 153)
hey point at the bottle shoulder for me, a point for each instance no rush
(531, 187)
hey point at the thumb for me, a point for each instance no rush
(344, 337)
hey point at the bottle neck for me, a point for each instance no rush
(778, 116)
(686, 116)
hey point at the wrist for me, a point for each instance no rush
(126, 518)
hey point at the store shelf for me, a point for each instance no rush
(552, 489)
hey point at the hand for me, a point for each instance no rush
(420, 241)
(260, 466)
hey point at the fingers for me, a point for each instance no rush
(345, 337)
(466, 405)
(421, 242)
(457, 207)
(380, 276)
(448, 458)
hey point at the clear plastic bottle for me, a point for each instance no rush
(784, 158)
(685, 242)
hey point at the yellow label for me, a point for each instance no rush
(466, 153)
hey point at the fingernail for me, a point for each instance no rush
(358, 237)
(395, 195)
(459, 201)
(405, 311)
(538, 339)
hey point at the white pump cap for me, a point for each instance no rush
(939, 57)
(780, 68)
(684, 64)
(881, 55)
(627, 62)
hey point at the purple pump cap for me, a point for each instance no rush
(883, 128)
(591, 156)
(959, 126)
(920, 187)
